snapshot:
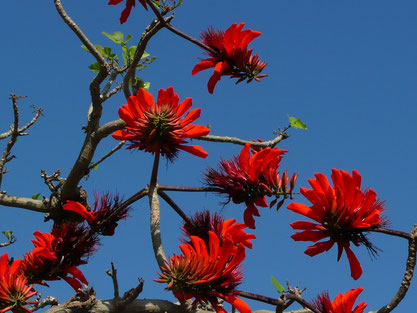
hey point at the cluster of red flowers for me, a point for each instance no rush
(230, 55)
(341, 304)
(250, 178)
(342, 212)
(58, 254)
(209, 267)
(159, 128)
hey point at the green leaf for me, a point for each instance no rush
(116, 37)
(296, 123)
(95, 67)
(146, 85)
(8, 234)
(95, 167)
(85, 48)
(131, 52)
(100, 49)
(36, 196)
(107, 52)
(145, 55)
(277, 285)
(128, 38)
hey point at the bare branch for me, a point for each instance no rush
(113, 275)
(109, 128)
(156, 216)
(176, 31)
(23, 203)
(15, 132)
(47, 301)
(21, 131)
(271, 143)
(408, 274)
(108, 154)
(131, 295)
(176, 208)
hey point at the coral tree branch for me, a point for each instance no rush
(408, 274)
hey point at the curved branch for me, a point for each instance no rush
(408, 274)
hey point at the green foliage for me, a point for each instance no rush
(277, 285)
(36, 196)
(296, 123)
(8, 234)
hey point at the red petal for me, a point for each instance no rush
(80, 209)
(310, 235)
(319, 248)
(196, 131)
(196, 150)
(203, 65)
(355, 266)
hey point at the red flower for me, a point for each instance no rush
(206, 272)
(129, 5)
(342, 213)
(158, 128)
(105, 216)
(203, 223)
(341, 304)
(249, 178)
(46, 262)
(232, 57)
(14, 293)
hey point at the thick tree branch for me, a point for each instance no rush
(23, 203)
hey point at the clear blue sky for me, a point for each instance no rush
(346, 68)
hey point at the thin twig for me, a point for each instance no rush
(131, 295)
(271, 143)
(175, 207)
(178, 32)
(13, 138)
(38, 112)
(188, 189)
(408, 274)
(156, 216)
(113, 275)
(108, 154)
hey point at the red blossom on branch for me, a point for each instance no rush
(159, 128)
(206, 272)
(342, 212)
(250, 178)
(231, 57)
(14, 291)
(341, 304)
(203, 222)
(105, 216)
(49, 260)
